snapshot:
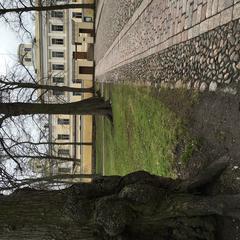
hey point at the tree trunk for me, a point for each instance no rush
(59, 176)
(36, 215)
(64, 178)
(16, 85)
(51, 143)
(46, 157)
(137, 206)
(90, 106)
(46, 8)
(68, 143)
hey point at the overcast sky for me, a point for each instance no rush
(8, 47)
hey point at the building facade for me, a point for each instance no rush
(63, 56)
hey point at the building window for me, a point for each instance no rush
(77, 81)
(57, 41)
(77, 94)
(58, 54)
(83, 30)
(87, 19)
(58, 28)
(63, 152)
(86, 70)
(64, 170)
(77, 15)
(63, 137)
(58, 93)
(27, 59)
(58, 79)
(58, 67)
(57, 14)
(63, 121)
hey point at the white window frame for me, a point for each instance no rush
(57, 54)
(63, 152)
(57, 14)
(77, 14)
(57, 28)
(56, 79)
(63, 136)
(63, 121)
(57, 40)
(56, 66)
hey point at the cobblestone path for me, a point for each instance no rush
(114, 15)
(178, 43)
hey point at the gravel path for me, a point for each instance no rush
(115, 14)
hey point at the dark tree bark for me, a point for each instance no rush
(51, 143)
(90, 106)
(44, 157)
(45, 8)
(18, 85)
(136, 206)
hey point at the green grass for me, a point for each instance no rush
(143, 136)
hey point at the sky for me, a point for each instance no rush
(8, 47)
(9, 42)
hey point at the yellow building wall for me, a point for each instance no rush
(87, 150)
(88, 12)
(87, 121)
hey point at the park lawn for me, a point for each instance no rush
(143, 136)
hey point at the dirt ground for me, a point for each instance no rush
(213, 118)
(216, 119)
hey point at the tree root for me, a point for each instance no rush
(206, 177)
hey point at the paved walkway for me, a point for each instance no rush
(132, 37)
(111, 17)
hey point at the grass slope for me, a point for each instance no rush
(144, 134)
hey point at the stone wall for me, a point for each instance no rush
(208, 61)
(193, 42)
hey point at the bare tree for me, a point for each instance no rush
(20, 87)
(21, 153)
(18, 13)
(6, 85)
(20, 7)
(39, 182)
(20, 84)
(42, 157)
(49, 143)
(90, 106)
